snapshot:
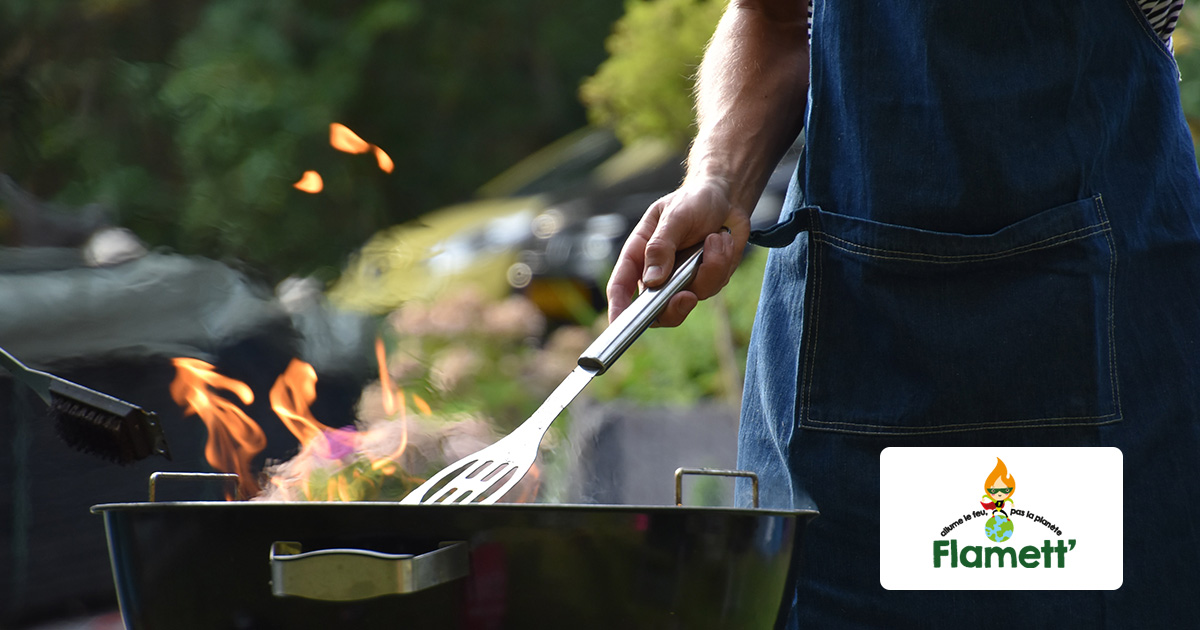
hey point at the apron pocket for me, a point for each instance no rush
(911, 332)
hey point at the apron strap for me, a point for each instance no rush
(783, 233)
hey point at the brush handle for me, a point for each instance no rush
(39, 382)
(47, 385)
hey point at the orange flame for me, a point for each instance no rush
(385, 162)
(999, 474)
(530, 492)
(233, 438)
(422, 406)
(353, 461)
(292, 396)
(342, 139)
(385, 378)
(393, 397)
(311, 182)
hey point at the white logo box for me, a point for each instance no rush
(924, 492)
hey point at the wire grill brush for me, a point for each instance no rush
(92, 422)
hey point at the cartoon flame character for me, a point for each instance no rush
(998, 488)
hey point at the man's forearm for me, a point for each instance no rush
(750, 96)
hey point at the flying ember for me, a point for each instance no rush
(343, 139)
(385, 162)
(311, 182)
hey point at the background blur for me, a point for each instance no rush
(171, 185)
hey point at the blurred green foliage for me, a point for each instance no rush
(192, 120)
(1187, 56)
(643, 90)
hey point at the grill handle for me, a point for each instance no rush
(342, 575)
(717, 472)
(190, 476)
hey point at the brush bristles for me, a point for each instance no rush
(120, 439)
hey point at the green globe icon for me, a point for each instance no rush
(998, 528)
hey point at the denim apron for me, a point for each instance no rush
(993, 239)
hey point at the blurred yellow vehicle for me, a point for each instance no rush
(471, 243)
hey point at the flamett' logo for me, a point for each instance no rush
(999, 487)
(1001, 518)
(998, 505)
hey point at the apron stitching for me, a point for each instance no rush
(1102, 222)
(1016, 249)
(1112, 320)
(815, 89)
(810, 355)
(901, 431)
(993, 424)
(853, 248)
(1144, 24)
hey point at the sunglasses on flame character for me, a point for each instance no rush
(998, 489)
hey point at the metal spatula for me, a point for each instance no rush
(487, 475)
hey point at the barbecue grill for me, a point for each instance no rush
(254, 564)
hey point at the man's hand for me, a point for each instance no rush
(694, 212)
(750, 102)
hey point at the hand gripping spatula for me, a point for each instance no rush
(487, 475)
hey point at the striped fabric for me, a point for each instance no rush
(1163, 15)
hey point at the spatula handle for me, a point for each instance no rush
(619, 335)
